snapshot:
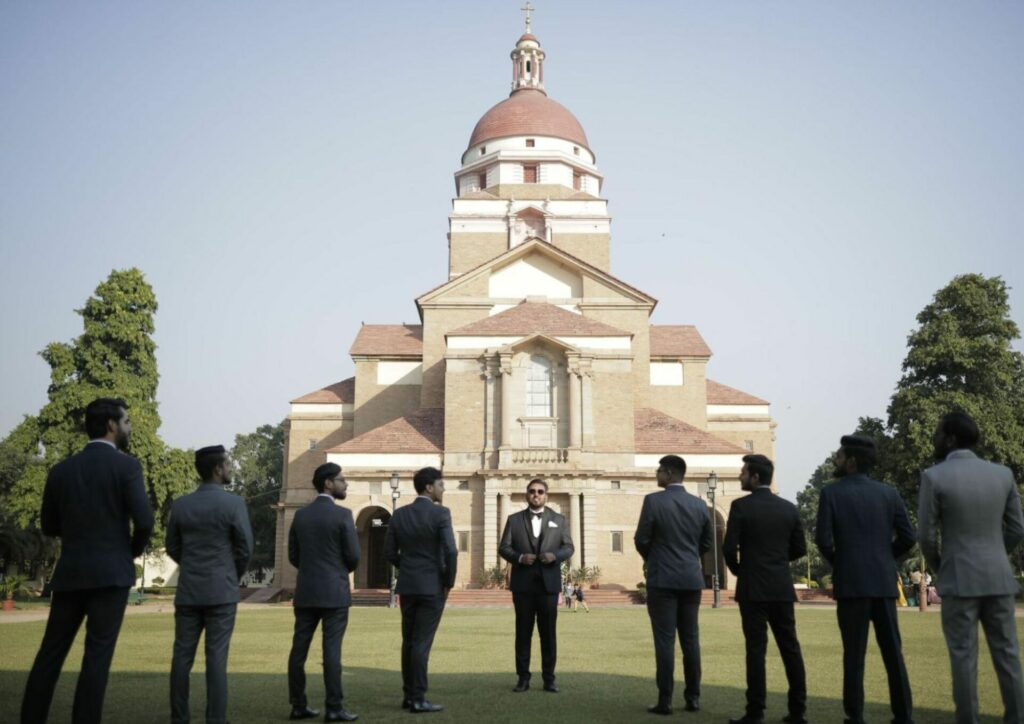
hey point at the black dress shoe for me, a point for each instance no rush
(303, 712)
(747, 719)
(794, 719)
(692, 705)
(551, 687)
(521, 686)
(340, 715)
(406, 703)
(424, 707)
(663, 709)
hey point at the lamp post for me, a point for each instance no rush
(712, 485)
(395, 495)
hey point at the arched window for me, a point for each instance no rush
(538, 387)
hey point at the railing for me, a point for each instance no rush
(540, 456)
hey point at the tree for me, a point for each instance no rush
(960, 357)
(22, 472)
(115, 356)
(259, 461)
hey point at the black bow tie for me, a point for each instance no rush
(536, 515)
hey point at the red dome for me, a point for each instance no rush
(529, 112)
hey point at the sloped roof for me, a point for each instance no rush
(402, 340)
(719, 394)
(343, 392)
(677, 340)
(538, 318)
(656, 432)
(419, 432)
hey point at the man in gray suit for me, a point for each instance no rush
(209, 537)
(673, 533)
(323, 545)
(970, 519)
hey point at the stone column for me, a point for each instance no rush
(488, 375)
(590, 528)
(576, 528)
(504, 508)
(506, 401)
(490, 526)
(575, 417)
(587, 412)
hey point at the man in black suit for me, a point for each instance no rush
(209, 537)
(536, 541)
(862, 529)
(96, 503)
(420, 543)
(763, 535)
(673, 533)
(322, 544)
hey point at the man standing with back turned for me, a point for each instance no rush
(673, 533)
(323, 545)
(209, 537)
(862, 529)
(764, 534)
(420, 543)
(970, 519)
(88, 502)
(536, 541)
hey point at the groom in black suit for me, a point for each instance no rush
(764, 534)
(96, 503)
(322, 544)
(535, 542)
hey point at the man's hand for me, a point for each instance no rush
(547, 557)
(527, 559)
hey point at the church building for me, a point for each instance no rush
(531, 359)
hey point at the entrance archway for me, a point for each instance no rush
(372, 527)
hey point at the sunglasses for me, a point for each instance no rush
(537, 491)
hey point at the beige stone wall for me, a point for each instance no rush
(469, 250)
(301, 461)
(618, 510)
(464, 393)
(591, 248)
(438, 321)
(532, 192)
(740, 432)
(637, 321)
(377, 404)
(687, 403)
(613, 406)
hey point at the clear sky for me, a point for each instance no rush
(797, 179)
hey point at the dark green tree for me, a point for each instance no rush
(22, 472)
(259, 460)
(115, 356)
(959, 357)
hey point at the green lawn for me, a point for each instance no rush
(605, 668)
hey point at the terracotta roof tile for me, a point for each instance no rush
(538, 318)
(344, 392)
(405, 340)
(419, 432)
(677, 340)
(719, 394)
(528, 112)
(656, 432)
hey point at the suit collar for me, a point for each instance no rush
(961, 454)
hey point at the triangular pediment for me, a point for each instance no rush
(536, 268)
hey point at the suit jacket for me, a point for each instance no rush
(420, 543)
(673, 533)
(763, 535)
(96, 503)
(323, 545)
(972, 506)
(862, 529)
(518, 539)
(209, 537)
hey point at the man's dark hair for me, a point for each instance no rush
(425, 477)
(960, 426)
(323, 473)
(674, 463)
(861, 449)
(99, 412)
(537, 480)
(761, 466)
(209, 458)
